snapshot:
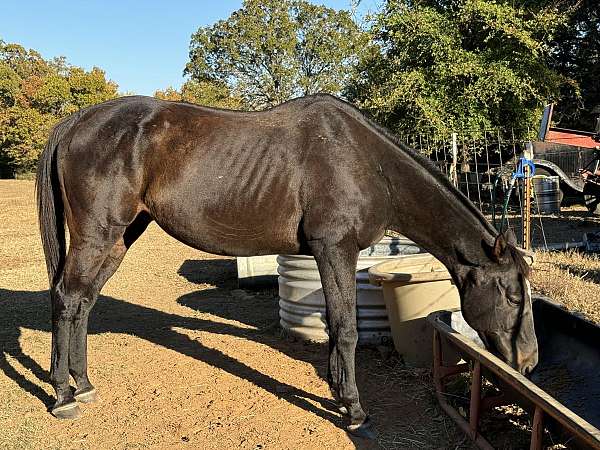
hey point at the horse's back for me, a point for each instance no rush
(227, 182)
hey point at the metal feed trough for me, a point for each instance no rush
(563, 392)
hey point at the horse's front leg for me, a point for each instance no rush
(337, 267)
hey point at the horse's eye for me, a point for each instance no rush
(514, 300)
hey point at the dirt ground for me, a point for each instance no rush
(182, 359)
(551, 230)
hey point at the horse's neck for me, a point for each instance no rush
(437, 217)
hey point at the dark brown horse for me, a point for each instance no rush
(312, 176)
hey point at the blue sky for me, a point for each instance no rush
(142, 45)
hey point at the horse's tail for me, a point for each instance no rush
(50, 202)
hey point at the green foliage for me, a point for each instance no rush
(272, 50)
(207, 93)
(23, 133)
(48, 94)
(577, 56)
(89, 88)
(10, 85)
(458, 64)
(34, 95)
(25, 63)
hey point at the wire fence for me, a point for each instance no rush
(480, 163)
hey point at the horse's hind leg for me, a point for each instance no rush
(86, 392)
(337, 267)
(72, 298)
(94, 255)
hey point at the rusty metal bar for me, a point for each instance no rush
(438, 378)
(475, 399)
(544, 404)
(537, 430)
(478, 440)
(440, 371)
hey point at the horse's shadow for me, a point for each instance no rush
(257, 309)
(31, 310)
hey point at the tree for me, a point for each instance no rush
(50, 94)
(24, 62)
(23, 133)
(577, 56)
(207, 93)
(89, 88)
(272, 50)
(10, 85)
(34, 94)
(443, 65)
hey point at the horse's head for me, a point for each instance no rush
(496, 302)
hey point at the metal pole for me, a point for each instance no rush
(453, 172)
(527, 211)
(528, 153)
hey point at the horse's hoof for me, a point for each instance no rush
(364, 430)
(343, 410)
(86, 395)
(68, 411)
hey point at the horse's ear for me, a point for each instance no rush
(509, 236)
(497, 252)
(527, 255)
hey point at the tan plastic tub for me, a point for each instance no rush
(414, 286)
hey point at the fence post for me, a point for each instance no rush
(527, 153)
(453, 174)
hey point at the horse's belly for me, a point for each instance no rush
(249, 241)
(225, 240)
(235, 231)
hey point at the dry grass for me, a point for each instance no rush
(571, 278)
(181, 360)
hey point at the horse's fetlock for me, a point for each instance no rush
(356, 412)
(60, 384)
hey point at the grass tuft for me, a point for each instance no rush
(571, 278)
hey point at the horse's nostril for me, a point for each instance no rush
(528, 369)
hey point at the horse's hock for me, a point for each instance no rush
(302, 303)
